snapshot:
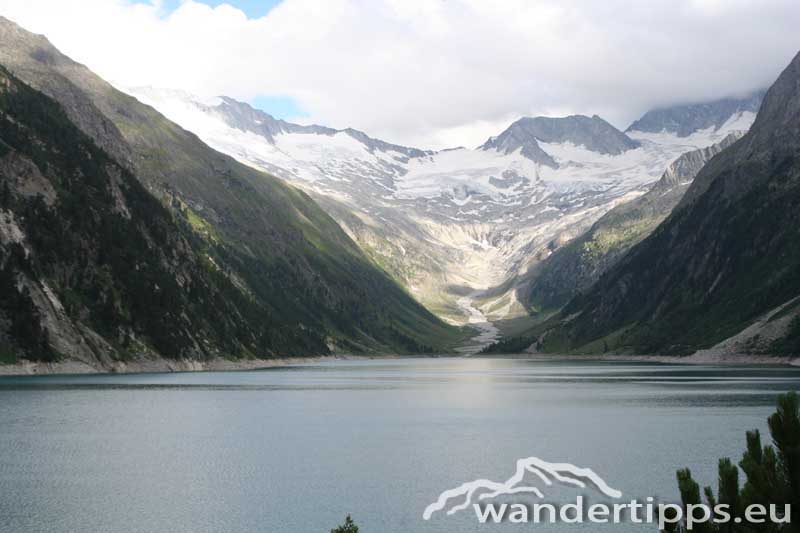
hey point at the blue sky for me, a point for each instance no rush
(252, 8)
(279, 106)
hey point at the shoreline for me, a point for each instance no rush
(694, 359)
(144, 366)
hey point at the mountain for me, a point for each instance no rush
(721, 272)
(573, 268)
(683, 120)
(271, 241)
(93, 266)
(245, 118)
(459, 227)
(593, 133)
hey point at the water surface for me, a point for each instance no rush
(295, 449)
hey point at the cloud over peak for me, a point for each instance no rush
(433, 74)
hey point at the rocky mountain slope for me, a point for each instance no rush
(315, 288)
(458, 227)
(683, 120)
(726, 259)
(92, 266)
(593, 133)
(573, 268)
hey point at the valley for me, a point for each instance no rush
(461, 229)
(399, 266)
(126, 238)
(330, 241)
(476, 319)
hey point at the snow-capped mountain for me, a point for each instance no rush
(452, 223)
(593, 133)
(718, 277)
(684, 120)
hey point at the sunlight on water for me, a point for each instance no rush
(295, 449)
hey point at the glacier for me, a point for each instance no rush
(457, 227)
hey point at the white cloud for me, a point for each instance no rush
(433, 73)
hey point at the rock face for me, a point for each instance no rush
(684, 169)
(593, 133)
(313, 288)
(574, 267)
(727, 255)
(683, 120)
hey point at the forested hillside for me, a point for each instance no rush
(292, 281)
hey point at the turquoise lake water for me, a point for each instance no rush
(295, 449)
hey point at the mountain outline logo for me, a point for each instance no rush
(547, 472)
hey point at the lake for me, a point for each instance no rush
(295, 449)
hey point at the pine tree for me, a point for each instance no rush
(690, 495)
(772, 476)
(348, 527)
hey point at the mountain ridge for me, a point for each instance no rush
(245, 117)
(574, 267)
(271, 238)
(684, 119)
(593, 133)
(452, 222)
(726, 256)
(96, 265)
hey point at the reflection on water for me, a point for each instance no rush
(294, 449)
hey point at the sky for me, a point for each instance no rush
(429, 73)
(252, 8)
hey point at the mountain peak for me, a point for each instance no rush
(721, 260)
(32, 58)
(19, 42)
(683, 120)
(242, 116)
(780, 111)
(593, 133)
